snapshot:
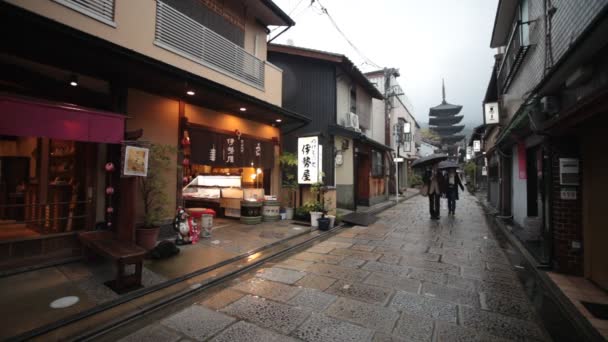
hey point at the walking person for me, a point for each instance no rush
(453, 183)
(433, 179)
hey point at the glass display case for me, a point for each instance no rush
(209, 186)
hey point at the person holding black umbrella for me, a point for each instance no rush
(453, 182)
(433, 181)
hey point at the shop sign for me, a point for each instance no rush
(135, 161)
(398, 160)
(568, 171)
(476, 145)
(321, 163)
(567, 193)
(484, 170)
(308, 160)
(491, 113)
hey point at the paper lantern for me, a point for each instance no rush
(109, 210)
(109, 190)
(109, 167)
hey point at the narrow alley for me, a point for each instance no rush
(405, 278)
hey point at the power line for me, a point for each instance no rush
(326, 12)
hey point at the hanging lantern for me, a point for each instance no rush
(109, 167)
(109, 190)
(186, 162)
(185, 180)
(109, 210)
(109, 224)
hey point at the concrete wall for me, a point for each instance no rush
(519, 198)
(135, 25)
(345, 176)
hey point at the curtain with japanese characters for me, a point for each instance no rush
(229, 150)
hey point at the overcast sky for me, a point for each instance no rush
(426, 40)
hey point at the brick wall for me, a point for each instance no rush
(566, 215)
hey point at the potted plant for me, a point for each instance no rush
(316, 211)
(289, 166)
(153, 194)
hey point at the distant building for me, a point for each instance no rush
(443, 119)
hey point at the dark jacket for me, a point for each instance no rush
(454, 187)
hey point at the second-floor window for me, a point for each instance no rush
(353, 99)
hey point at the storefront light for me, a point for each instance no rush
(190, 92)
(74, 81)
(258, 171)
(243, 109)
(278, 120)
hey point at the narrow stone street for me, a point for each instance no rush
(405, 278)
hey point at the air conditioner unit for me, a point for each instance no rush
(352, 121)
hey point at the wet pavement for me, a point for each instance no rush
(405, 278)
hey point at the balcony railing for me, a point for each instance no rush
(514, 55)
(182, 35)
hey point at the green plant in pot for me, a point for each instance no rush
(153, 194)
(289, 167)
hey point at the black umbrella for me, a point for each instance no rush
(448, 164)
(429, 160)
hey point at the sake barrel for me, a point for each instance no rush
(251, 212)
(270, 211)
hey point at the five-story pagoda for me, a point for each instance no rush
(443, 119)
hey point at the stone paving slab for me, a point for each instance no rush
(365, 248)
(427, 275)
(294, 264)
(315, 281)
(243, 331)
(198, 322)
(351, 263)
(268, 289)
(324, 258)
(222, 298)
(359, 291)
(386, 268)
(314, 299)
(280, 274)
(338, 272)
(393, 282)
(381, 337)
(370, 316)
(424, 307)
(500, 325)
(455, 333)
(362, 255)
(451, 294)
(507, 305)
(414, 328)
(268, 314)
(322, 328)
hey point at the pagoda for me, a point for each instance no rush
(443, 120)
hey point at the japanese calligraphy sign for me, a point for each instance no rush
(308, 160)
(491, 113)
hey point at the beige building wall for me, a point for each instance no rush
(135, 28)
(159, 118)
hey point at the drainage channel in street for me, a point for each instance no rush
(105, 318)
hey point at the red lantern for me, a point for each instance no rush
(109, 190)
(186, 141)
(109, 167)
(186, 162)
(109, 210)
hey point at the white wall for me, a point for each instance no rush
(519, 198)
(342, 98)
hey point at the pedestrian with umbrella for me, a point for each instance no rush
(452, 183)
(433, 180)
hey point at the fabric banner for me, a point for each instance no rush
(521, 158)
(229, 150)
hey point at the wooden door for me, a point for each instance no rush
(364, 168)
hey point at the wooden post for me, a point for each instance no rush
(125, 230)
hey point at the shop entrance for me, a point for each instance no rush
(362, 178)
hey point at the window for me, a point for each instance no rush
(377, 164)
(353, 99)
(102, 10)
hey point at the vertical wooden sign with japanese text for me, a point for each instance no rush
(521, 158)
(308, 160)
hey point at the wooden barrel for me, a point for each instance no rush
(270, 211)
(251, 212)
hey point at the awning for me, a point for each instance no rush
(350, 133)
(31, 118)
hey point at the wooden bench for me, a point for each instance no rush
(105, 244)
